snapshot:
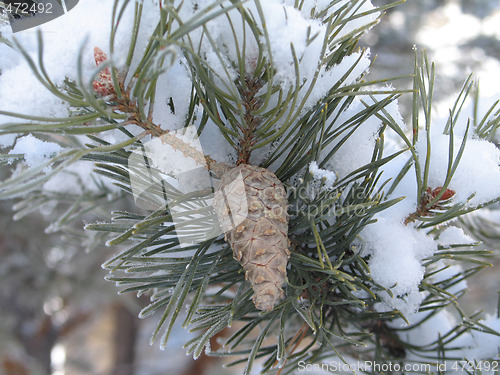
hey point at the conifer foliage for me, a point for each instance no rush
(274, 193)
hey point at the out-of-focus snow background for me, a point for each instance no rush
(58, 312)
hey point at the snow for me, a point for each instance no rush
(454, 235)
(359, 63)
(216, 146)
(9, 58)
(175, 85)
(35, 151)
(289, 28)
(357, 150)
(395, 254)
(7, 140)
(328, 177)
(21, 92)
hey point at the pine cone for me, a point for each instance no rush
(252, 206)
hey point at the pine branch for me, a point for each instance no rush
(331, 303)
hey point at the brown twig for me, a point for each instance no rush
(252, 121)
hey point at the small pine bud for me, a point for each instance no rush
(103, 85)
(431, 194)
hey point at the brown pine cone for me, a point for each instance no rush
(252, 207)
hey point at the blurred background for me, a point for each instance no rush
(58, 316)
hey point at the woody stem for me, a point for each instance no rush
(251, 104)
